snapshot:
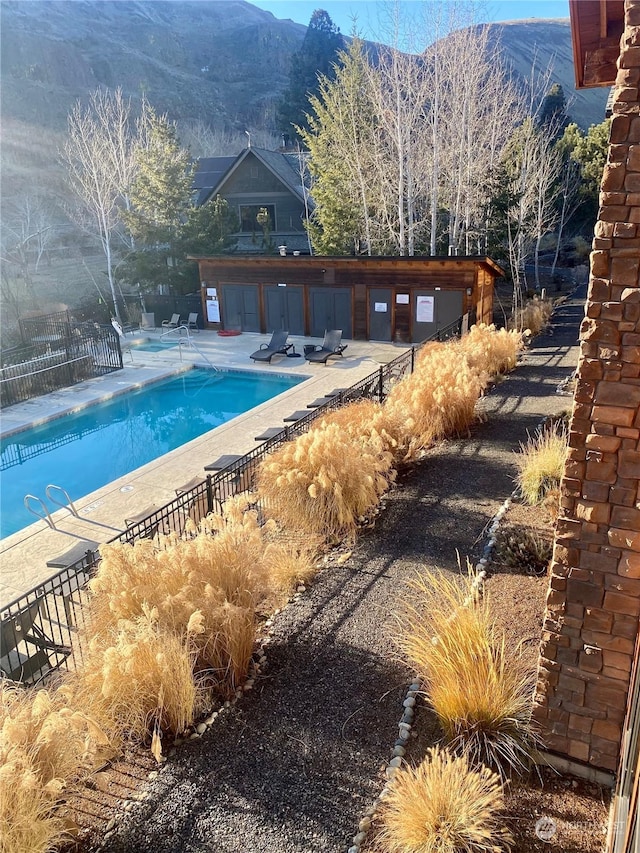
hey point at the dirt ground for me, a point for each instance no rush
(546, 811)
(574, 813)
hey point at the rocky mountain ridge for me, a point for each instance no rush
(224, 62)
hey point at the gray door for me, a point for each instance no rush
(379, 314)
(433, 310)
(240, 307)
(283, 308)
(330, 308)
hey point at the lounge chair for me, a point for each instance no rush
(173, 323)
(192, 322)
(331, 346)
(277, 346)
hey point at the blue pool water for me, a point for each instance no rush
(87, 450)
(154, 346)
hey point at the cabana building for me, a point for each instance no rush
(402, 299)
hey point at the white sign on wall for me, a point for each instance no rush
(381, 307)
(213, 310)
(402, 298)
(424, 309)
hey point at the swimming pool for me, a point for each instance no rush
(83, 451)
(154, 346)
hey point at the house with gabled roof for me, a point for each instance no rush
(253, 180)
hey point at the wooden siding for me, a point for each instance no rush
(473, 277)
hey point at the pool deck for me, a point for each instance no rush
(23, 555)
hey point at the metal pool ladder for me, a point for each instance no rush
(45, 515)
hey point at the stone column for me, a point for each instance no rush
(593, 602)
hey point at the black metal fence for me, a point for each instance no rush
(60, 352)
(38, 629)
(36, 626)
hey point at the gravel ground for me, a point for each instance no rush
(297, 762)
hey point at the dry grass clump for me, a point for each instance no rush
(443, 806)
(215, 582)
(290, 560)
(322, 483)
(437, 400)
(140, 679)
(479, 689)
(533, 316)
(367, 419)
(490, 350)
(45, 745)
(541, 464)
(28, 822)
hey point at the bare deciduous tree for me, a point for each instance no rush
(99, 156)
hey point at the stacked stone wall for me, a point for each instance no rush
(593, 602)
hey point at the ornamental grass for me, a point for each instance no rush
(215, 582)
(534, 316)
(45, 746)
(445, 805)
(479, 688)
(138, 679)
(436, 401)
(324, 482)
(490, 350)
(367, 419)
(541, 464)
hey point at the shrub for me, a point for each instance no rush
(541, 464)
(443, 806)
(479, 689)
(322, 483)
(524, 549)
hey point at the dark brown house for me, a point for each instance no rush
(404, 299)
(258, 180)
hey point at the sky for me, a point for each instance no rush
(368, 11)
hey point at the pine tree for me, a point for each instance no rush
(317, 55)
(160, 204)
(341, 141)
(553, 112)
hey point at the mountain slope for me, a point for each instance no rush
(538, 44)
(224, 62)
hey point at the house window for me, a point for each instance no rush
(249, 218)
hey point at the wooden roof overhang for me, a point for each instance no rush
(596, 28)
(346, 262)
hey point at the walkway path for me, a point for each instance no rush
(294, 766)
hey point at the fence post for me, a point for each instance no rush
(413, 358)
(209, 495)
(380, 381)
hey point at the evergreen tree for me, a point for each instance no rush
(553, 112)
(208, 229)
(317, 55)
(161, 192)
(341, 141)
(160, 204)
(589, 151)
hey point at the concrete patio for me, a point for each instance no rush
(23, 555)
